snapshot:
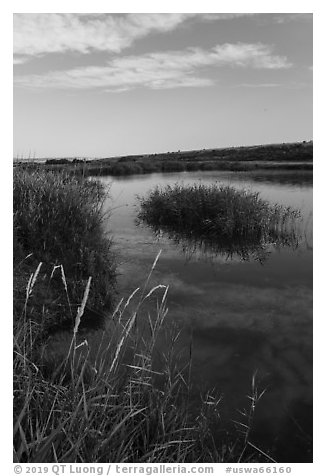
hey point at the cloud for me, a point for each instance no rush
(37, 34)
(255, 55)
(19, 60)
(40, 33)
(160, 70)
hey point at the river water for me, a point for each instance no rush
(243, 318)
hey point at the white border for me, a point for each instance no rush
(167, 6)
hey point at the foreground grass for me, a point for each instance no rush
(227, 219)
(127, 403)
(95, 410)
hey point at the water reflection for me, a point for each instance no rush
(211, 250)
(298, 179)
(257, 248)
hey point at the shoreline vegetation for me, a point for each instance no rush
(58, 221)
(287, 157)
(125, 401)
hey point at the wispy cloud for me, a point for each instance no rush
(161, 70)
(37, 34)
(19, 60)
(41, 33)
(255, 55)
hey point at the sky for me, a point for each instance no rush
(100, 85)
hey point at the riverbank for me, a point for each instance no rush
(287, 157)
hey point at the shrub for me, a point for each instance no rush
(150, 166)
(125, 168)
(172, 166)
(57, 161)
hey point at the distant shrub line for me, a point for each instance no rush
(270, 157)
(147, 167)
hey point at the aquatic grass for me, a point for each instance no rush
(221, 218)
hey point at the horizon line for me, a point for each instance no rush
(17, 158)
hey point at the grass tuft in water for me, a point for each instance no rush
(220, 217)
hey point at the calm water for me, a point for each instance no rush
(242, 317)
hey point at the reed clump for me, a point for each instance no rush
(59, 221)
(221, 216)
